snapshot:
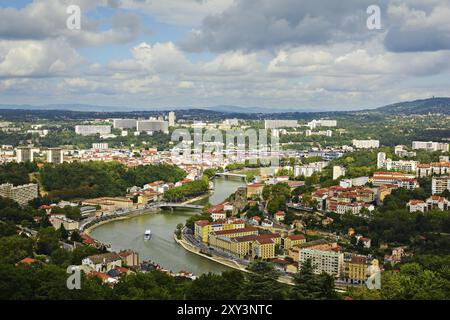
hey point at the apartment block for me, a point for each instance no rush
(55, 155)
(152, 126)
(366, 144)
(276, 124)
(440, 184)
(24, 154)
(430, 146)
(124, 123)
(88, 130)
(327, 261)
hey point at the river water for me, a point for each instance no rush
(161, 248)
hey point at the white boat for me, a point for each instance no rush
(147, 234)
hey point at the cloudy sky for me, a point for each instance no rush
(299, 54)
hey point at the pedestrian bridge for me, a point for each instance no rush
(233, 175)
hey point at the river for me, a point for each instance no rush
(161, 248)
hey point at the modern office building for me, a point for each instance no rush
(87, 130)
(55, 155)
(24, 154)
(124, 123)
(21, 194)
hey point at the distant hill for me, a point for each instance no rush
(424, 106)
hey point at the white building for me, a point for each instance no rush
(87, 130)
(400, 165)
(309, 169)
(124, 123)
(100, 146)
(24, 154)
(366, 144)
(433, 202)
(21, 194)
(440, 184)
(172, 119)
(338, 171)
(152, 126)
(321, 123)
(430, 146)
(55, 155)
(323, 261)
(401, 151)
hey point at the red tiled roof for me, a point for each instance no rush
(231, 231)
(27, 261)
(296, 236)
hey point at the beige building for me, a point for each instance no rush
(327, 261)
(69, 224)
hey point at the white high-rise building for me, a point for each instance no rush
(327, 261)
(430, 146)
(276, 124)
(87, 130)
(338, 171)
(172, 119)
(24, 154)
(55, 155)
(124, 123)
(440, 184)
(381, 159)
(366, 144)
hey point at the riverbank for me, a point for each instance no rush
(228, 263)
(89, 229)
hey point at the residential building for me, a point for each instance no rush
(100, 146)
(124, 123)
(440, 184)
(430, 146)
(400, 165)
(279, 216)
(152, 126)
(433, 202)
(293, 240)
(69, 224)
(24, 154)
(55, 155)
(328, 261)
(21, 194)
(263, 248)
(130, 258)
(402, 180)
(203, 228)
(434, 168)
(87, 130)
(103, 262)
(338, 171)
(401, 151)
(309, 169)
(366, 144)
(171, 119)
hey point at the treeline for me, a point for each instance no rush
(96, 179)
(48, 282)
(187, 190)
